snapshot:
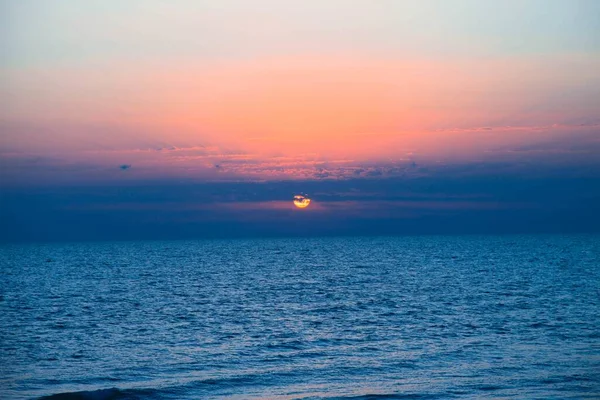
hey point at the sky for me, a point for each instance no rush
(146, 119)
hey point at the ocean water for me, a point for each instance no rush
(365, 318)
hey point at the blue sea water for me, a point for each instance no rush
(365, 318)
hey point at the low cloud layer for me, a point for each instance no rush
(450, 203)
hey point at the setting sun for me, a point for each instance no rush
(301, 201)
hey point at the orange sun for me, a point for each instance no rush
(301, 201)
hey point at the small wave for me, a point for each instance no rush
(165, 391)
(104, 394)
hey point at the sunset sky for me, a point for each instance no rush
(201, 118)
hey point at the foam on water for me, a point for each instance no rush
(337, 318)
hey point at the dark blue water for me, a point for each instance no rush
(420, 317)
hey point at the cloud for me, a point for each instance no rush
(448, 202)
(487, 150)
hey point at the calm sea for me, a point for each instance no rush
(365, 318)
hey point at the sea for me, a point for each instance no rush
(423, 317)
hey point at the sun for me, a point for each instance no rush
(301, 201)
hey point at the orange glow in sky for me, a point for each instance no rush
(225, 91)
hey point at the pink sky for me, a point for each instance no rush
(296, 100)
